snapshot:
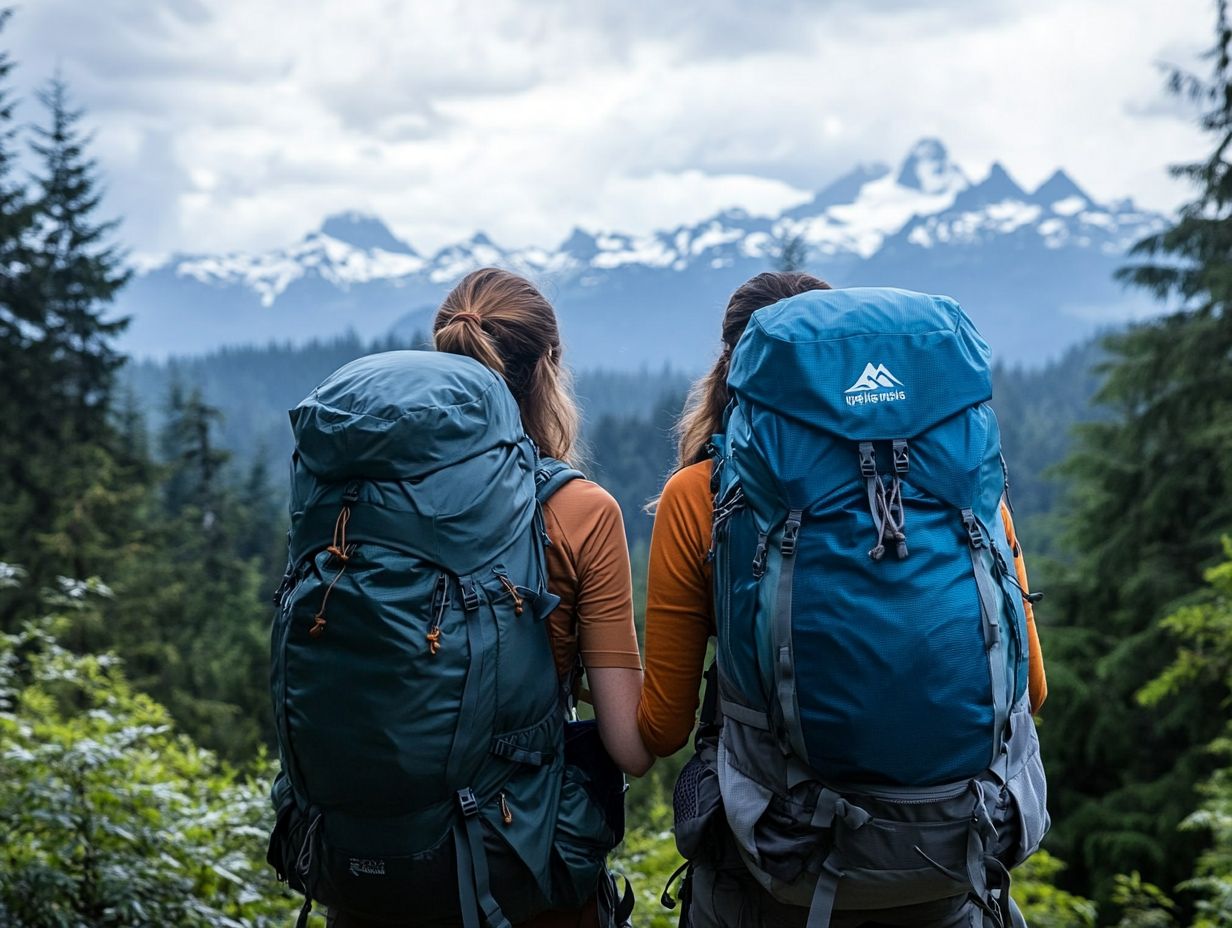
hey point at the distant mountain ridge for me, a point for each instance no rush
(1033, 268)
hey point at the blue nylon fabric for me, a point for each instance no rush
(900, 682)
(819, 345)
(738, 651)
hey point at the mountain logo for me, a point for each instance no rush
(875, 378)
(875, 385)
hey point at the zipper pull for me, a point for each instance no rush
(506, 815)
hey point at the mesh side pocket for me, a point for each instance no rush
(696, 804)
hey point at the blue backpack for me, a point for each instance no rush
(877, 747)
(428, 772)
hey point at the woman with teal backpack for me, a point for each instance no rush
(450, 575)
(839, 521)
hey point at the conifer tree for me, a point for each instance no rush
(19, 361)
(77, 270)
(65, 513)
(1153, 493)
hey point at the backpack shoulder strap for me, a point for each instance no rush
(551, 475)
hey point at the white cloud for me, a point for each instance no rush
(240, 123)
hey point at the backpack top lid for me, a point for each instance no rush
(398, 415)
(864, 363)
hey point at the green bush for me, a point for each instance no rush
(111, 818)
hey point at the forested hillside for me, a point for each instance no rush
(144, 516)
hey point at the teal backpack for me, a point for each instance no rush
(877, 747)
(426, 775)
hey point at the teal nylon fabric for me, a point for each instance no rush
(400, 415)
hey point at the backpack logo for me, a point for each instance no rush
(367, 866)
(875, 385)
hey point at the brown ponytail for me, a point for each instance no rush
(708, 397)
(502, 321)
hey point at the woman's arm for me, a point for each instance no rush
(679, 617)
(603, 609)
(615, 692)
(1037, 681)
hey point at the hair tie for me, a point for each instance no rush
(464, 316)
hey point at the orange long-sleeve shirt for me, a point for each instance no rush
(680, 613)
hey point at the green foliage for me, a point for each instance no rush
(648, 858)
(1212, 880)
(1152, 495)
(1142, 904)
(109, 816)
(1204, 659)
(1043, 905)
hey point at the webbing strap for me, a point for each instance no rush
(822, 905)
(785, 669)
(475, 685)
(995, 648)
(745, 715)
(304, 911)
(479, 907)
(710, 701)
(511, 750)
(467, 900)
(551, 475)
(832, 806)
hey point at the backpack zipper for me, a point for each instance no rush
(506, 815)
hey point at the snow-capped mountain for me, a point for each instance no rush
(1032, 268)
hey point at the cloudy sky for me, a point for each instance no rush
(239, 124)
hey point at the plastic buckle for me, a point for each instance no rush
(470, 596)
(902, 459)
(868, 460)
(974, 534)
(759, 557)
(791, 533)
(468, 803)
(351, 493)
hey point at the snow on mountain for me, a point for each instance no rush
(648, 298)
(928, 169)
(329, 257)
(927, 182)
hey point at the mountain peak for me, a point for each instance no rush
(928, 168)
(1060, 186)
(997, 187)
(841, 191)
(363, 231)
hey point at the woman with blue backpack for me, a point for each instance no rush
(839, 522)
(450, 575)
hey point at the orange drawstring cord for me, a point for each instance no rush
(339, 547)
(513, 591)
(342, 551)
